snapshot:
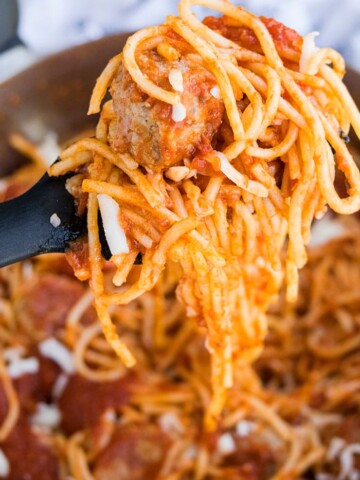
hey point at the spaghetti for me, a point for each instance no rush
(69, 408)
(216, 168)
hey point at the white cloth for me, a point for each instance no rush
(50, 25)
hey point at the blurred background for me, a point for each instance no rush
(46, 26)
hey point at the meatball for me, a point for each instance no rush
(83, 402)
(135, 452)
(32, 388)
(30, 455)
(144, 126)
(253, 459)
(45, 302)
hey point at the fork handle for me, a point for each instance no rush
(25, 228)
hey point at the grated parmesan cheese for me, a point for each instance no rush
(244, 428)
(335, 447)
(191, 312)
(4, 465)
(177, 173)
(59, 385)
(215, 92)
(236, 177)
(114, 233)
(324, 476)
(321, 420)
(22, 366)
(109, 416)
(347, 470)
(170, 422)
(308, 49)
(55, 220)
(226, 444)
(325, 230)
(46, 416)
(13, 353)
(56, 351)
(176, 80)
(27, 269)
(178, 112)
(49, 148)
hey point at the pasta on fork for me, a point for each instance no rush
(217, 150)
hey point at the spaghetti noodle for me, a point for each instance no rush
(220, 205)
(69, 408)
(258, 160)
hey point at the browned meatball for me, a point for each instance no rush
(144, 126)
(83, 402)
(253, 459)
(45, 302)
(31, 456)
(32, 388)
(136, 452)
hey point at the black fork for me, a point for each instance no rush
(25, 226)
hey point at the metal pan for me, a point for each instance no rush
(52, 95)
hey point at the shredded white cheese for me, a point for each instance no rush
(114, 233)
(236, 177)
(244, 428)
(4, 465)
(55, 220)
(176, 80)
(27, 269)
(49, 148)
(191, 312)
(226, 444)
(215, 92)
(109, 416)
(13, 353)
(56, 351)
(321, 420)
(325, 230)
(335, 447)
(347, 470)
(22, 366)
(308, 49)
(170, 422)
(178, 112)
(59, 385)
(46, 416)
(324, 476)
(177, 173)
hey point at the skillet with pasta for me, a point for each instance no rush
(218, 148)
